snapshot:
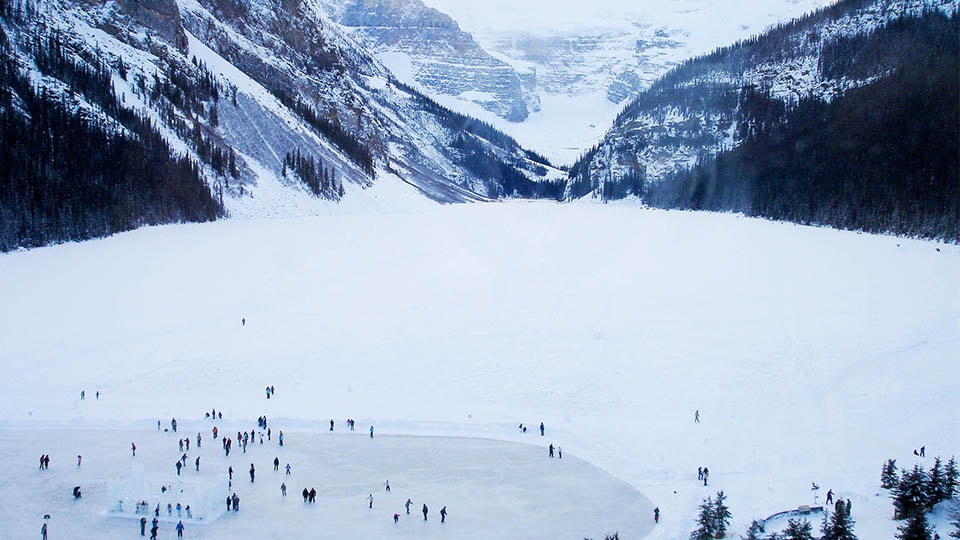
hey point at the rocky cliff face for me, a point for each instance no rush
(444, 59)
(278, 110)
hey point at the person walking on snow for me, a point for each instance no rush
(252, 471)
(696, 416)
(656, 515)
(198, 463)
(288, 469)
(283, 489)
(829, 496)
(179, 529)
(370, 499)
(706, 473)
(43, 532)
(371, 432)
(443, 514)
(387, 486)
(425, 510)
(541, 429)
(133, 448)
(276, 463)
(407, 505)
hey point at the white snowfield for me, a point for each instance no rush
(812, 355)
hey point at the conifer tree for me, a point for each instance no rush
(889, 477)
(721, 515)
(937, 482)
(753, 532)
(705, 529)
(910, 496)
(798, 530)
(951, 478)
(839, 526)
(916, 528)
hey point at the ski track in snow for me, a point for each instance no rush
(812, 354)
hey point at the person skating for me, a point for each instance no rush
(396, 518)
(371, 432)
(197, 463)
(551, 450)
(541, 429)
(133, 448)
(370, 499)
(407, 505)
(179, 466)
(656, 515)
(283, 489)
(387, 486)
(153, 532)
(288, 469)
(696, 416)
(706, 473)
(425, 510)
(252, 472)
(829, 496)
(443, 514)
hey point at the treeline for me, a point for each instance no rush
(321, 180)
(358, 152)
(915, 491)
(72, 174)
(502, 179)
(880, 158)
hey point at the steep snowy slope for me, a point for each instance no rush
(579, 62)
(280, 111)
(693, 110)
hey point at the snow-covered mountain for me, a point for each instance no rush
(278, 108)
(580, 62)
(428, 48)
(692, 111)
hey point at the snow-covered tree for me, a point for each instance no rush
(951, 478)
(721, 515)
(889, 477)
(910, 496)
(839, 525)
(937, 482)
(705, 529)
(916, 528)
(798, 530)
(753, 532)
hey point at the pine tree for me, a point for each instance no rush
(839, 526)
(798, 530)
(951, 478)
(721, 515)
(889, 477)
(910, 496)
(916, 528)
(937, 482)
(705, 522)
(753, 533)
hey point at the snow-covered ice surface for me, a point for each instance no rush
(813, 355)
